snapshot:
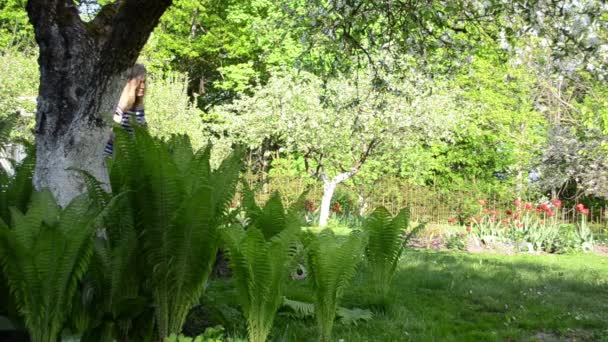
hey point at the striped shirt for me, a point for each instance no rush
(124, 119)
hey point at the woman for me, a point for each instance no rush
(131, 103)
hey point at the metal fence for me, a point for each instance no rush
(426, 203)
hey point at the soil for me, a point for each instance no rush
(437, 242)
(601, 250)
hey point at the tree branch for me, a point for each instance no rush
(58, 12)
(307, 164)
(127, 24)
(54, 20)
(357, 166)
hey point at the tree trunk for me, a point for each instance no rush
(81, 68)
(329, 187)
(519, 182)
(79, 147)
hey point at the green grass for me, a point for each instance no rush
(454, 296)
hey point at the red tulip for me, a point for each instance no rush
(544, 206)
(580, 207)
(517, 203)
(528, 205)
(585, 211)
(557, 203)
(509, 213)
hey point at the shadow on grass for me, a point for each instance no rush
(455, 296)
(448, 296)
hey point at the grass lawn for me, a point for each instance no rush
(455, 296)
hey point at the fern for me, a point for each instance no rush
(385, 245)
(332, 265)
(15, 191)
(299, 309)
(44, 255)
(112, 303)
(272, 218)
(353, 316)
(302, 310)
(176, 203)
(260, 267)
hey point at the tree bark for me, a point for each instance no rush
(81, 75)
(329, 187)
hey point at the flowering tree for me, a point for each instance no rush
(338, 125)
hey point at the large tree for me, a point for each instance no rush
(341, 124)
(82, 68)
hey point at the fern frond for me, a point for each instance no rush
(353, 316)
(252, 210)
(45, 256)
(272, 219)
(294, 213)
(20, 187)
(386, 240)
(332, 265)
(95, 189)
(299, 308)
(227, 175)
(42, 208)
(180, 148)
(260, 268)
(174, 204)
(193, 240)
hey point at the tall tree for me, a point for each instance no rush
(82, 68)
(343, 123)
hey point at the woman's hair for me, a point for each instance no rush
(129, 98)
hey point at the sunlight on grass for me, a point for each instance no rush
(337, 229)
(455, 296)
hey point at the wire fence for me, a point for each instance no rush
(426, 204)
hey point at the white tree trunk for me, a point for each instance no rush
(362, 204)
(57, 160)
(59, 153)
(329, 187)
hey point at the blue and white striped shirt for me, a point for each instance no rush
(124, 118)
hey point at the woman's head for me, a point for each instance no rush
(134, 91)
